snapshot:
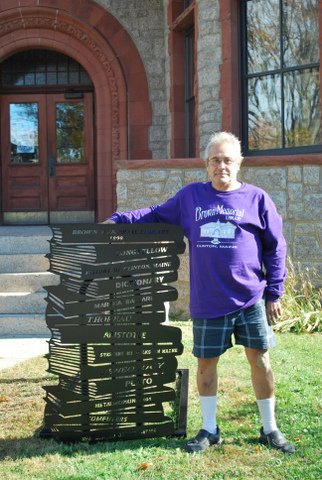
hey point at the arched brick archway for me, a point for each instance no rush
(93, 37)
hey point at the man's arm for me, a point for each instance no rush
(274, 260)
(168, 212)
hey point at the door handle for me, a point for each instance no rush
(51, 165)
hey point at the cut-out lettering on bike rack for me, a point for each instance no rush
(114, 357)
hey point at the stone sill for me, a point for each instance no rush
(262, 161)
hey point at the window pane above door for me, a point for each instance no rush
(24, 147)
(42, 67)
(70, 133)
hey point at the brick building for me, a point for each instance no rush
(108, 105)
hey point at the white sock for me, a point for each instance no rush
(266, 409)
(208, 409)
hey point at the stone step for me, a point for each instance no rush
(29, 262)
(23, 325)
(23, 302)
(24, 239)
(26, 282)
(21, 245)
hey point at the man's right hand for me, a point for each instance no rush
(109, 220)
(273, 311)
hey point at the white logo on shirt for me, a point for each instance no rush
(218, 230)
(229, 213)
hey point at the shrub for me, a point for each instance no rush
(301, 301)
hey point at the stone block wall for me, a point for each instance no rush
(296, 191)
(144, 21)
(209, 59)
(147, 24)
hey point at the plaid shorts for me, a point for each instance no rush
(212, 336)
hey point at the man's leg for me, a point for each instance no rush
(207, 378)
(261, 372)
(263, 384)
(210, 340)
(207, 383)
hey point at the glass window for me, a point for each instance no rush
(281, 77)
(42, 67)
(300, 32)
(263, 45)
(264, 116)
(302, 107)
(187, 3)
(24, 146)
(70, 132)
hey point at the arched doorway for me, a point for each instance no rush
(89, 34)
(46, 139)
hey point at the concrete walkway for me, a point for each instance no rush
(17, 349)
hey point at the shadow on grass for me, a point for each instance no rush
(12, 381)
(33, 446)
(239, 410)
(236, 424)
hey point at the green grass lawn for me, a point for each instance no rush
(296, 361)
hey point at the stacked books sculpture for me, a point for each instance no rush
(114, 357)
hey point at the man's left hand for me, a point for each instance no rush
(273, 311)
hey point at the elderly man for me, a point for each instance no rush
(237, 270)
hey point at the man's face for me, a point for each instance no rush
(223, 164)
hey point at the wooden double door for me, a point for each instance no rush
(47, 165)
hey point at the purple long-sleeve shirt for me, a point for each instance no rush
(237, 249)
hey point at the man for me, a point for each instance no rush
(237, 271)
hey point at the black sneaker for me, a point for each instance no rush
(202, 441)
(276, 440)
